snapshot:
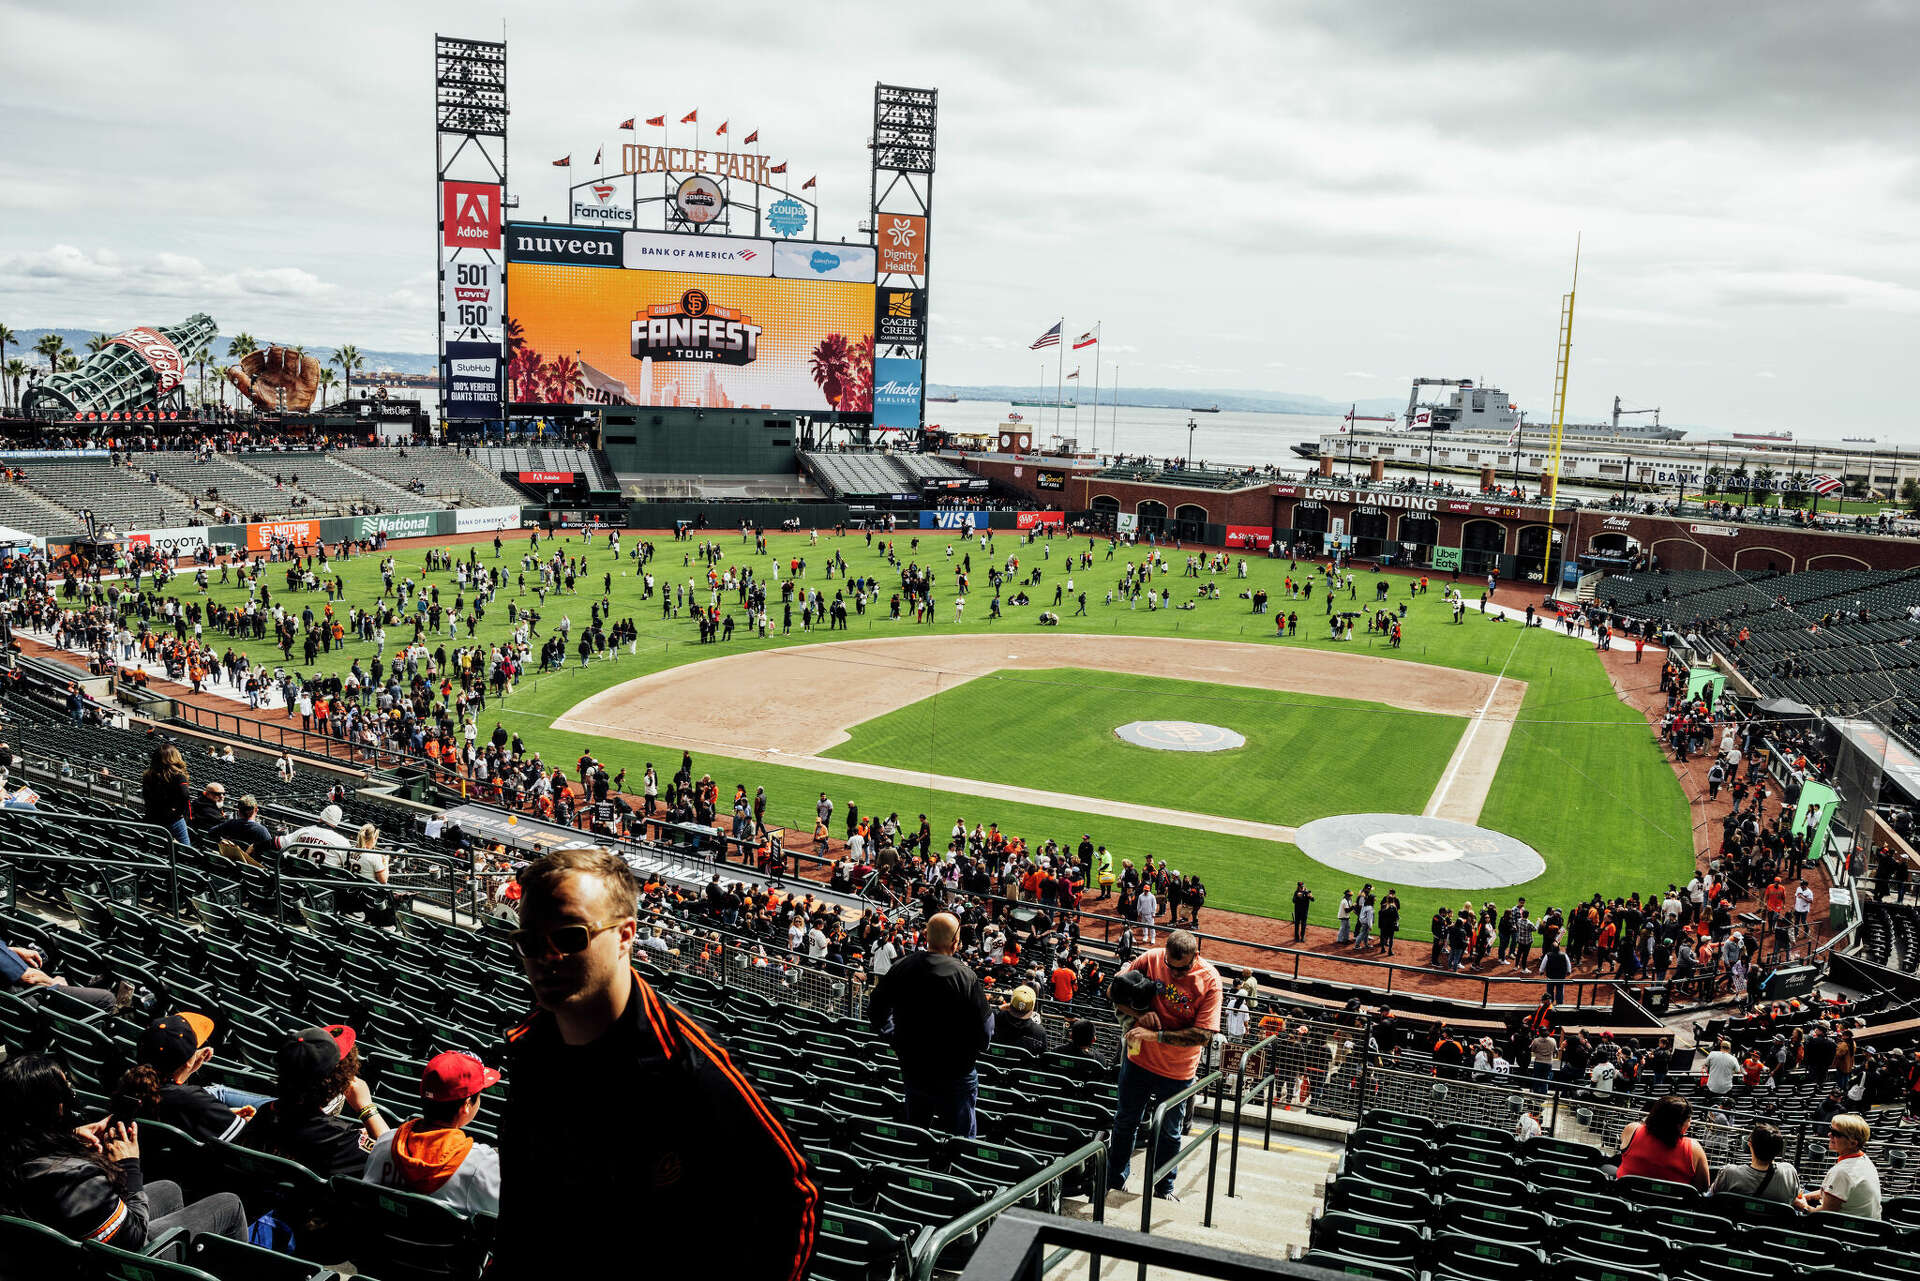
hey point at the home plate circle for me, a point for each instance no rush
(1409, 849)
(1180, 736)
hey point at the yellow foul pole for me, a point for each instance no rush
(1564, 359)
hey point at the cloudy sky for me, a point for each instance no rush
(1326, 198)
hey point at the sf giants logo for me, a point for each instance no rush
(169, 367)
(470, 215)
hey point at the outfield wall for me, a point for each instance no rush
(259, 535)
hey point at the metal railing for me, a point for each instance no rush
(1263, 1085)
(1209, 1136)
(1016, 1249)
(925, 1255)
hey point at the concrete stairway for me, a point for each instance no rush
(1277, 1193)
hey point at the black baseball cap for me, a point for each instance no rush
(310, 1054)
(169, 1041)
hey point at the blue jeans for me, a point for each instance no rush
(179, 829)
(947, 1104)
(228, 1097)
(1140, 1092)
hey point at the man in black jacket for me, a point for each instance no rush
(627, 1128)
(933, 1008)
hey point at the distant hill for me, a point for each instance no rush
(398, 362)
(1253, 402)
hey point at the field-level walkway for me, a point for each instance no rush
(788, 706)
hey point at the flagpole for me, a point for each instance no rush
(1096, 390)
(1116, 412)
(1059, 374)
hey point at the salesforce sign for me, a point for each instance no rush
(896, 393)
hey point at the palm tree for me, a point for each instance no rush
(200, 358)
(348, 359)
(1763, 481)
(327, 380)
(830, 366)
(242, 344)
(6, 336)
(68, 362)
(15, 370)
(1714, 478)
(49, 349)
(98, 343)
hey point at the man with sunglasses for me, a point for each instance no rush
(627, 1127)
(1166, 1037)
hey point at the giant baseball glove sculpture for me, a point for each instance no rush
(277, 378)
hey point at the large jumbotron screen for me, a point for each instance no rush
(617, 335)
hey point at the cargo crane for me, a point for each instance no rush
(1413, 397)
(1619, 413)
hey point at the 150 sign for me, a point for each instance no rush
(471, 299)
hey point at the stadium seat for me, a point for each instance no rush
(1719, 1262)
(30, 1252)
(1398, 1243)
(104, 1263)
(264, 1181)
(1505, 1223)
(1568, 1267)
(1626, 1247)
(1382, 1168)
(231, 1260)
(1379, 1200)
(1680, 1224)
(1479, 1258)
(1348, 1265)
(1658, 1191)
(1491, 1189)
(856, 1247)
(1593, 1208)
(929, 1199)
(167, 1152)
(1397, 1143)
(401, 1236)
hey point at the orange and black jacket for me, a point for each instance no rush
(647, 1149)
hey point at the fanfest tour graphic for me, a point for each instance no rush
(586, 335)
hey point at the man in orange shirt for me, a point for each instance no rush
(1166, 1038)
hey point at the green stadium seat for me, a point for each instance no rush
(1681, 1224)
(1720, 1262)
(1398, 1243)
(1347, 1265)
(167, 1152)
(1562, 1150)
(1479, 1258)
(929, 1199)
(1398, 1143)
(1386, 1118)
(1627, 1247)
(401, 1236)
(1554, 1175)
(1588, 1207)
(1379, 1200)
(895, 1143)
(1476, 1136)
(237, 1261)
(1382, 1168)
(104, 1263)
(1656, 1191)
(1491, 1189)
(30, 1252)
(263, 1181)
(1505, 1223)
(1568, 1267)
(857, 1247)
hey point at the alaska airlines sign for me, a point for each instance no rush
(1406, 502)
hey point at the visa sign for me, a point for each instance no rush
(896, 393)
(950, 520)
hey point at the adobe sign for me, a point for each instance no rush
(470, 215)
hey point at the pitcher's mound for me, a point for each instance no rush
(1180, 736)
(1410, 849)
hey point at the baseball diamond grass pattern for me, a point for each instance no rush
(1054, 729)
(1582, 779)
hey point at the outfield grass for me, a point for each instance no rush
(1582, 778)
(1055, 729)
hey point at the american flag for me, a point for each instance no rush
(1825, 485)
(1049, 339)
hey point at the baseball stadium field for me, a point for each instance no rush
(1005, 720)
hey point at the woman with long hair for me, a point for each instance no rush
(1658, 1147)
(85, 1180)
(165, 791)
